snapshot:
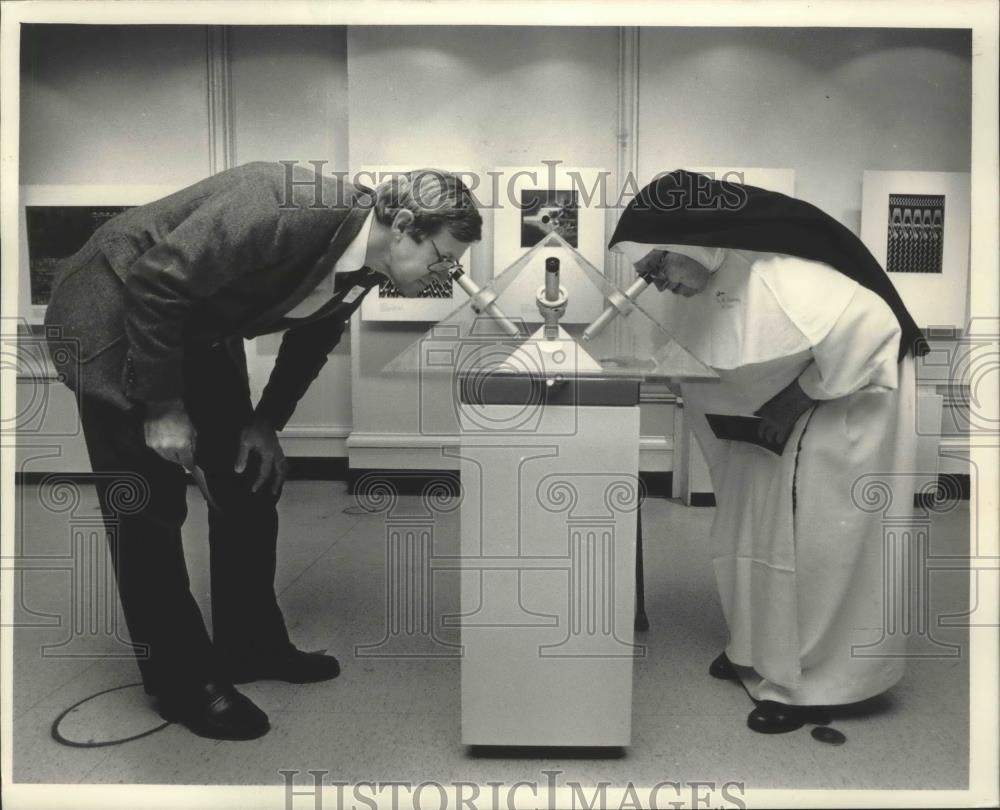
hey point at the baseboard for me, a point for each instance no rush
(952, 486)
(299, 469)
(318, 469)
(963, 483)
(414, 482)
(657, 484)
(406, 482)
(34, 478)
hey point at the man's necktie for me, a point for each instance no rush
(345, 282)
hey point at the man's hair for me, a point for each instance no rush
(437, 199)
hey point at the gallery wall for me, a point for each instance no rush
(826, 102)
(829, 104)
(128, 105)
(476, 98)
(289, 97)
(106, 105)
(103, 105)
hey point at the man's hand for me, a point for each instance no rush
(779, 414)
(169, 432)
(260, 438)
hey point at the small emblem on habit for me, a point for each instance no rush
(723, 299)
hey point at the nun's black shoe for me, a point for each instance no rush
(723, 669)
(771, 717)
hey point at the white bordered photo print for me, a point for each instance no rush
(385, 302)
(536, 201)
(55, 221)
(917, 225)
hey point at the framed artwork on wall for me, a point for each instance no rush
(917, 225)
(534, 202)
(55, 222)
(385, 302)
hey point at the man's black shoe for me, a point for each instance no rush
(216, 711)
(294, 666)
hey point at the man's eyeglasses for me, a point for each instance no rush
(443, 265)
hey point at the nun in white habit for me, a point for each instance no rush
(820, 358)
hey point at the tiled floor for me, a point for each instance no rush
(398, 718)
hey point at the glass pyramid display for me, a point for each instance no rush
(478, 337)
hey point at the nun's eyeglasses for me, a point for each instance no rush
(655, 265)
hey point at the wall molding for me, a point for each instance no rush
(955, 456)
(413, 451)
(628, 144)
(315, 441)
(315, 432)
(656, 454)
(955, 395)
(628, 103)
(221, 132)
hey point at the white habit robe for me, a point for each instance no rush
(798, 563)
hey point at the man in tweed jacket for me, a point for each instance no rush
(157, 305)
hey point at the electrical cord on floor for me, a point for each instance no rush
(59, 738)
(356, 510)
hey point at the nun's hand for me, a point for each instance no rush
(780, 413)
(653, 268)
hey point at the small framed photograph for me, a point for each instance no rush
(533, 202)
(55, 222)
(545, 211)
(385, 302)
(917, 225)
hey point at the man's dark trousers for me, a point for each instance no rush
(153, 584)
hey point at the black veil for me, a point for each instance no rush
(685, 208)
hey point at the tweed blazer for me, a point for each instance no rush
(226, 256)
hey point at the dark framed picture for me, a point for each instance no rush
(540, 201)
(56, 221)
(545, 211)
(56, 232)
